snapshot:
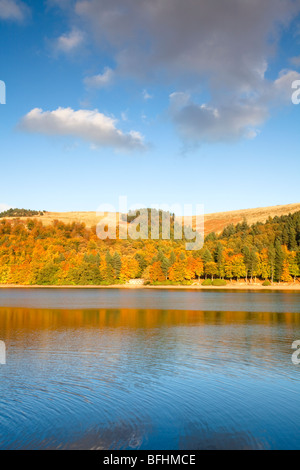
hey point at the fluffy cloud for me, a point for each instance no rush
(147, 96)
(13, 10)
(225, 42)
(69, 42)
(279, 92)
(91, 126)
(101, 80)
(222, 48)
(229, 119)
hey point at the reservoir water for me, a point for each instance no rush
(149, 369)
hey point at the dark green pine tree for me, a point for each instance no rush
(292, 244)
(89, 274)
(298, 259)
(108, 258)
(160, 256)
(244, 225)
(285, 236)
(228, 231)
(279, 257)
(142, 263)
(165, 266)
(219, 259)
(117, 264)
(109, 268)
(297, 228)
(253, 262)
(206, 258)
(172, 258)
(211, 236)
(271, 257)
(247, 260)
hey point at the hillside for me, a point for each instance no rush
(215, 222)
(32, 253)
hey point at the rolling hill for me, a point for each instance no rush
(213, 222)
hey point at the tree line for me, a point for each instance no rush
(20, 213)
(71, 254)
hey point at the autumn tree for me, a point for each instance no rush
(177, 271)
(156, 272)
(285, 272)
(211, 269)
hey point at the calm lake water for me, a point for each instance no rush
(149, 369)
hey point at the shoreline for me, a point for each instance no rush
(290, 287)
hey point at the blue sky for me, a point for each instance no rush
(159, 102)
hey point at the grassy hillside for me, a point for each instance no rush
(213, 222)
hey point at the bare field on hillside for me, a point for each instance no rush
(213, 222)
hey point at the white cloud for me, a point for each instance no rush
(230, 118)
(206, 123)
(221, 48)
(146, 95)
(13, 10)
(279, 92)
(179, 99)
(69, 42)
(94, 127)
(101, 80)
(4, 207)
